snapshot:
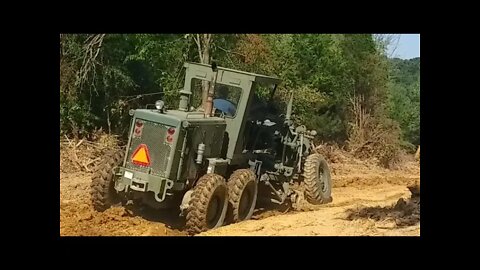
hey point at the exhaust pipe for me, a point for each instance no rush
(209, 104)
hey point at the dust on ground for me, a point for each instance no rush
(367, 201)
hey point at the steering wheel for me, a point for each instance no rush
(218, 113)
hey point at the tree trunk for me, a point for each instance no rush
(204, 45)
(206, 60)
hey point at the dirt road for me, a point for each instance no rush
(350, 214)
(365, 202)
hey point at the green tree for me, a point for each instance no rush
(404, 98)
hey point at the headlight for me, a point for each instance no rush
(159, 104)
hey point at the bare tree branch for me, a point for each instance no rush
(229, 51)
(99, 45)
(91, 49)
(386, 41)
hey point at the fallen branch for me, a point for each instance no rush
(69, 142)
(81, 141)
(90, 162)
(86, 168)
(76, 157)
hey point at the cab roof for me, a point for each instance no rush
(253, 76)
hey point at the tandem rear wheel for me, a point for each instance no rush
(214, 200)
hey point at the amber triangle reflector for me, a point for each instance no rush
(141, 156)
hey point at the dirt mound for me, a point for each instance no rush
(333, 153)
(358, 173)
(348, 170)
(403, 213)
(80, 219)
(358, 180)
(415, 188)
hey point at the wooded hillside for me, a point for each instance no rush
(345, 85)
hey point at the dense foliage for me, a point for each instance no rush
(345, 86)
(404, 97)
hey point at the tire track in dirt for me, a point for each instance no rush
(78, 218)
(326, 219)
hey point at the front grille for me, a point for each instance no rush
(153, 135)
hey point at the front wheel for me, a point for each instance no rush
(318, 182)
